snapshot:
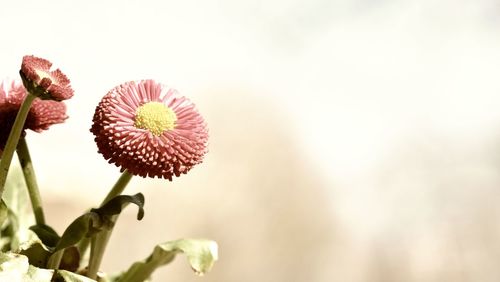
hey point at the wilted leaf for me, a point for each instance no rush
(15, 267)
(67, 276)
(36, 274)
(12, 265)
(201, 255)
(35, 250)
(70, 259)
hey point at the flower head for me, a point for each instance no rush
(41, 116)
(40, 81)
(150, 130)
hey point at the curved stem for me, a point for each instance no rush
(119, 186)
(14, 135)
(29, 175)
(100, 241)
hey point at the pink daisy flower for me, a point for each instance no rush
(42, 114)
(42, 82)
(150, 130)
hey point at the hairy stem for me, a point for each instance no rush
(100, 241)
(14, 135)
(30, 178)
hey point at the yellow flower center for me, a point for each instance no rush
(155, 117)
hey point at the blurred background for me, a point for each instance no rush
(350, 140)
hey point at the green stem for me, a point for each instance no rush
(115, 191)
(55, 260)
(100, 241)
(82, 249)
(93, 264)
(119, 186)
(14, 135)
(30, 178)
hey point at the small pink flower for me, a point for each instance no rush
(42, 114)
(42, 82)
(150, 130)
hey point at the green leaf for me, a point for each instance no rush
(118, 203)
(114, 278)
(10, 233)
(46, 234)
(4, 212)
(19, 214)
(16, 197)
(201, 256)
(5, 235)
(98, 219)
(79, 228)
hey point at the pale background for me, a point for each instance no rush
(350, 140)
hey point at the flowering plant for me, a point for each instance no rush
(144, 127)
